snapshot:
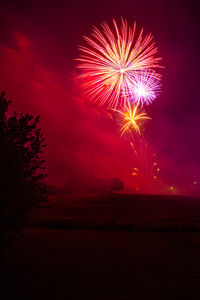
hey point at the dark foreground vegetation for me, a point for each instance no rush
(108, 247)
(22, 172)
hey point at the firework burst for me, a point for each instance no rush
(132, 118)
(144, 88)
(109, 61)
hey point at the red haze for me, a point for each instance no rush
(81, 140)
(37, 73)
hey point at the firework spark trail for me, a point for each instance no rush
(143, 154)
(132, 118)
(109, 62)
(145, 169)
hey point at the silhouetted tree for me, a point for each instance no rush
(21, 167)
(116, 185)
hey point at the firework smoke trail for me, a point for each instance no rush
(132, 118)
(108, 64)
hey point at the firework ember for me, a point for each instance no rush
(109, 62)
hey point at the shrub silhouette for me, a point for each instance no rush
(21, 167)
(116, 185)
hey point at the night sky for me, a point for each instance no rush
(39, 42)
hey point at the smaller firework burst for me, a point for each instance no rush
(144, 87)
(132, 116)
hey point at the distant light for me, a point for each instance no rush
(134, 174)
(155, 177)
(158, 170)
(171, 188)
(155, 163)
(195, 182)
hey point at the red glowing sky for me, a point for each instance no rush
(37, 50)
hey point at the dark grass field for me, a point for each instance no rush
(107, 247)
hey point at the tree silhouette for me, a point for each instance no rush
(21, 167)
(116, 185)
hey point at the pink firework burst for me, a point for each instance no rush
(144, 88)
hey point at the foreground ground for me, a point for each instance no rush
(116, 247)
